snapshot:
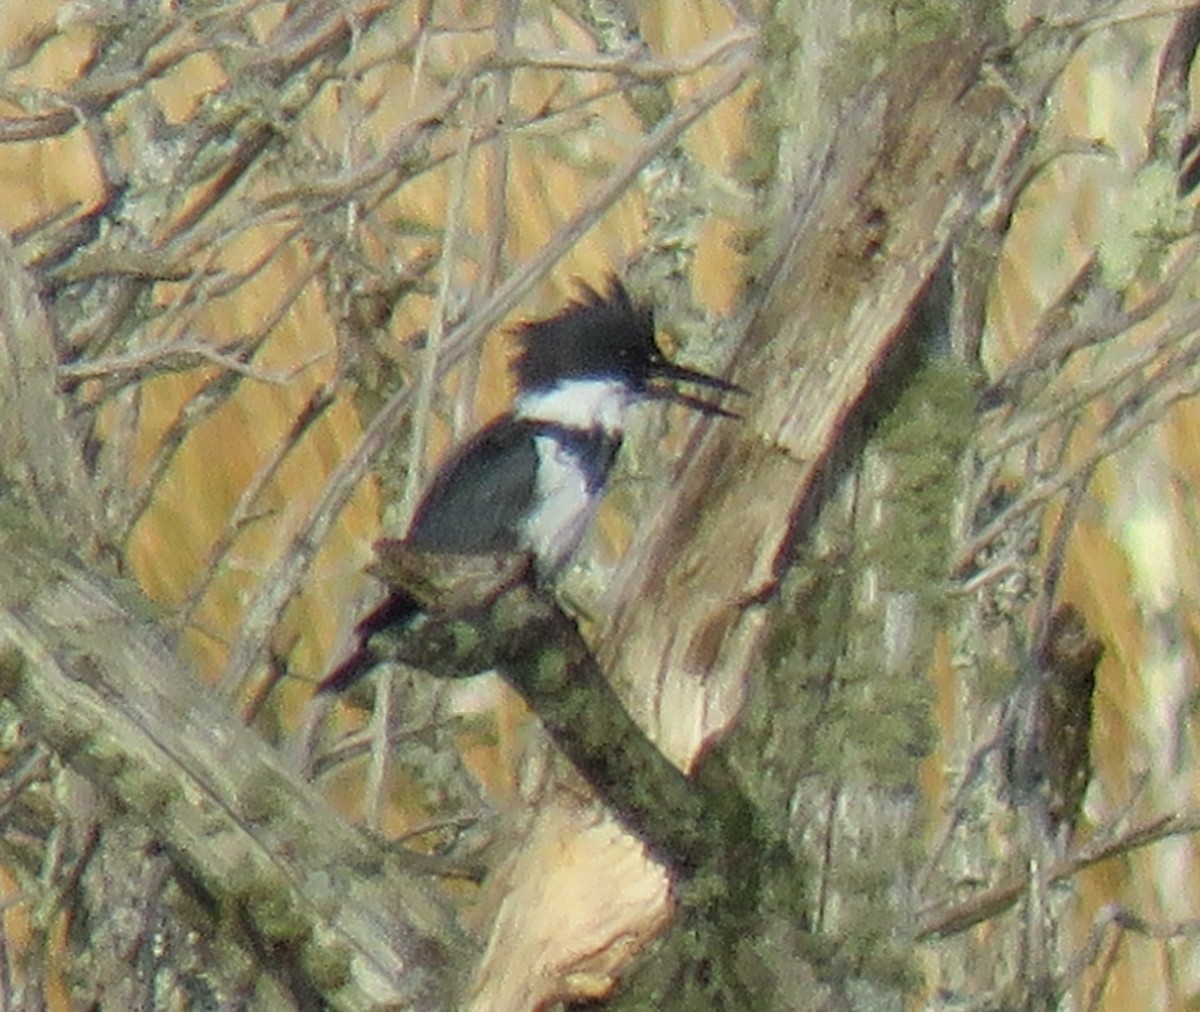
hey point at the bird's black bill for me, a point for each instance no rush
(680, 374)
(695, 403)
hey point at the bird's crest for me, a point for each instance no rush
(598, 333)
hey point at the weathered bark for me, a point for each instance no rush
(338, 915)
(819, 598)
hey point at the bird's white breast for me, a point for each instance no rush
(566, 494)
(566, 502)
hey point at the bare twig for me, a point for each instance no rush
(941, 919)
(244, 512)
(719, 50)
(183, 356)
(33, 430)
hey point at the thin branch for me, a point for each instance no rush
(435, 333)
(1142, 405)
(940, 919)
(244, 512)
(183, 356)
(723, 48)
(214, 393)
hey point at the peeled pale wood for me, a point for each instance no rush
(916, 150)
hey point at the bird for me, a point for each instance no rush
(531, 480)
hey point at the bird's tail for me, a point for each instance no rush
(397, 609)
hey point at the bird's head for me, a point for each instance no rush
(604, 336)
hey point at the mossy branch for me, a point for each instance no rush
(90, 673)
(484, 613)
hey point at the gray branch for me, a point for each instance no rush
(86, 665)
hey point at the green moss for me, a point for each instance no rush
(329, 966)
(260, 802)
(992, 680)
(920, 21)
(551, 670)
(103, 758)
(70, 740)
(837, 718)
(820, 596)
(364, 862)
(922, 439)
(12, 669)
(891, 29)
(465, 637)
(212, 821)
(757, 166)
(268, 901)
(150, 793)
(1138, 230)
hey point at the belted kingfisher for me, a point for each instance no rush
(531, 480)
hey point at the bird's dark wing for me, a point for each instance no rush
(475, 504)
(479, 498)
